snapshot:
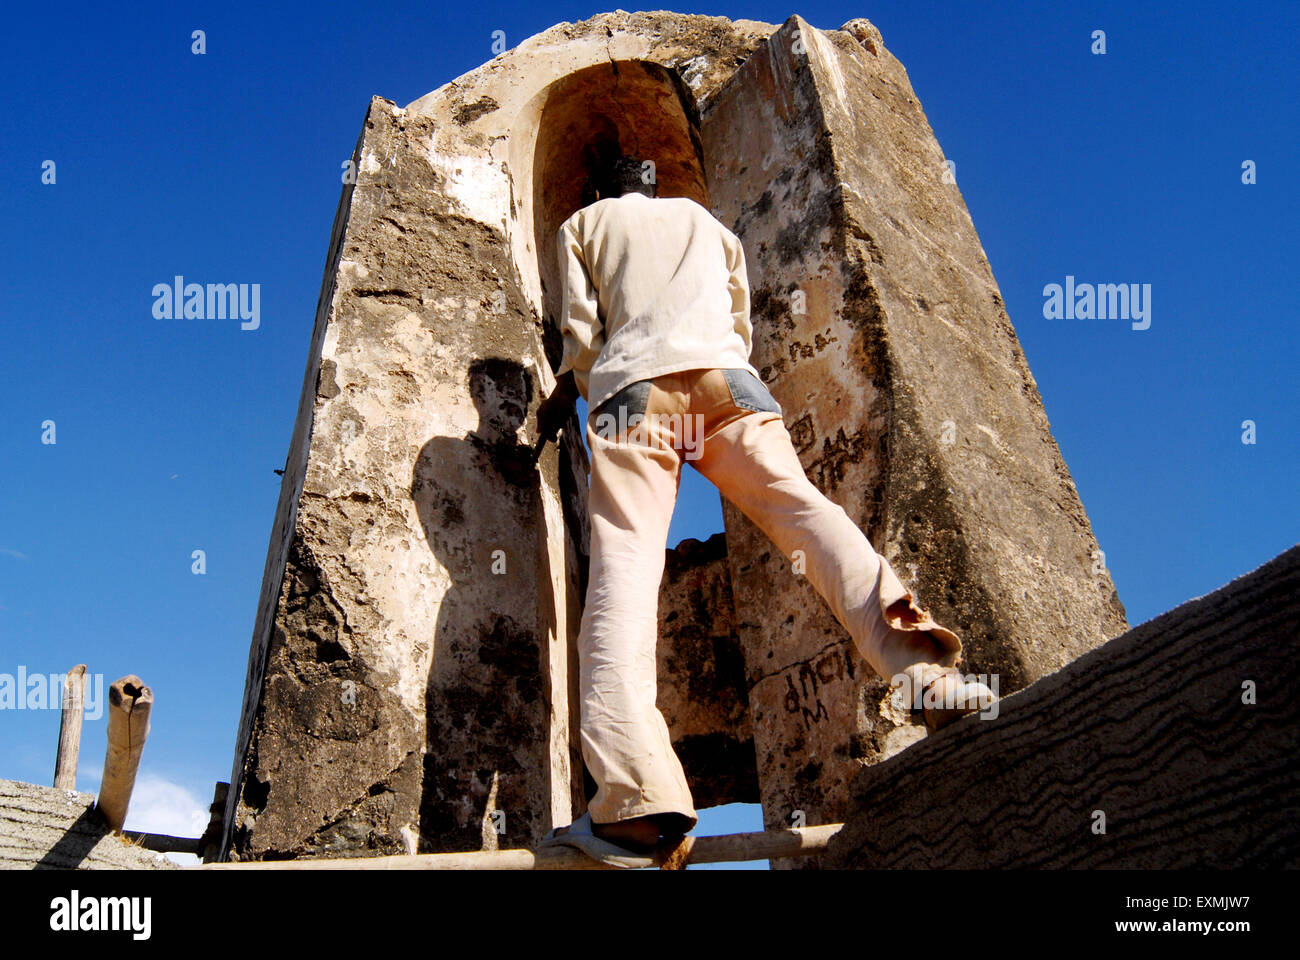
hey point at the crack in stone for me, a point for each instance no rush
(795, 663)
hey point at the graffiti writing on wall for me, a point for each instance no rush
(804, 683)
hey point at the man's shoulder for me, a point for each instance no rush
(689, 203)
(695, 211)
(706, 215)
(571, 220)
(621, 207)
(576, 219)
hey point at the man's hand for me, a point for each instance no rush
(556, 409)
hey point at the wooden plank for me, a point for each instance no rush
(130, 703)
(74, 699)
(163, 842)
(728, 848)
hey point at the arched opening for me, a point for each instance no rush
(563, 132)
(628, 106)
(631, 107)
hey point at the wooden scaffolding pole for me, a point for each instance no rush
(74, 698)
(129, 705)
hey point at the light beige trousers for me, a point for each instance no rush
(726, 425)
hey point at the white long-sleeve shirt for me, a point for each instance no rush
(650, 285)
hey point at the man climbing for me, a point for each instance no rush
(656, 328)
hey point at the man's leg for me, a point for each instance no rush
(753, 463)
(624, 738)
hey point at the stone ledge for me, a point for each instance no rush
(50, 829)
(1150, 729)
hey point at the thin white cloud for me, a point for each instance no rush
(10, 552)
(160, 806)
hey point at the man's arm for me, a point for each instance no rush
(583, 333)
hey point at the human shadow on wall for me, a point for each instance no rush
(486, 705)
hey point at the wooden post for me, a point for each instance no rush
(163, 842)
(129, 706)
(763, 845)
(210, 842)
(74, 699)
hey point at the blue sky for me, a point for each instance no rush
(1125, 167)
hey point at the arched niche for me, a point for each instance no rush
(632, 107)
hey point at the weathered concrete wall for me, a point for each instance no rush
(1183, 733)
(42, 828)
(412, 675)
(879, 328)
(415, 669)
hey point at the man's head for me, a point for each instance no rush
(624, 175)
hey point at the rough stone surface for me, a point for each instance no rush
(43, 828)
(412, 674)
(413, 685)
(1154, 730)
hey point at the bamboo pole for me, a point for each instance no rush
(129, 705)
(74, 700)
(763, 845)
(163, 842)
